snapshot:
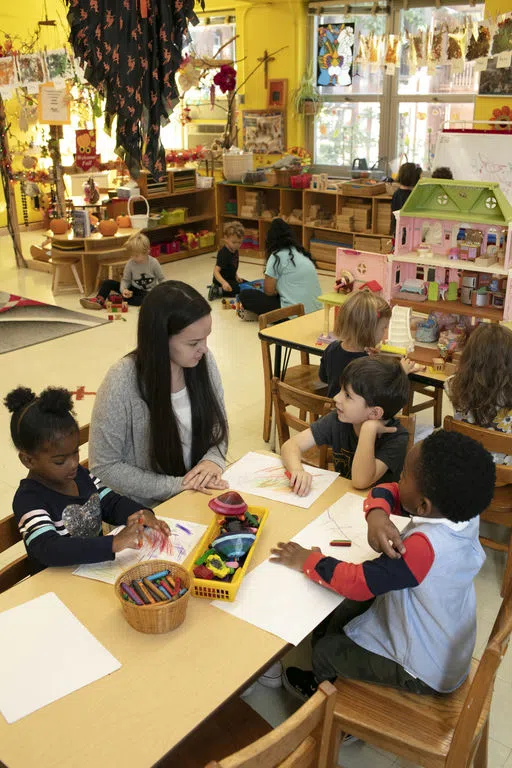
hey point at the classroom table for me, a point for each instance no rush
(168, 684)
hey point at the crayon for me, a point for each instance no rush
(340, 543)
(163, 590)
(155, 576)
(182, 528)
(288, 474)
(141, 522)
(141, 593)
(173, 589)
(153, 590)
(131, 594)
(182, 592)
(170, 581)
(145, 591)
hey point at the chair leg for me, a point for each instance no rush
(55, 283)
(407, 408)
(98, 280)
(480, 758)
(438, 407)
(507, 576)
(267, 413)
(77, 279)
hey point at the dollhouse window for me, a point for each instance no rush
(420, 273)
(431, 274)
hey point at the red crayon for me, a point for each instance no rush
(340, 543)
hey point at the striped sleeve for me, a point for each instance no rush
(37, 522)
(385, 496)
(115, 509)
(373, 577)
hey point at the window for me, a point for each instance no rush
(394, 116)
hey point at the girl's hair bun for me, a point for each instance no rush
(19, 398)
(55, 400)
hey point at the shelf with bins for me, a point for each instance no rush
(234, 201)
(464, 220)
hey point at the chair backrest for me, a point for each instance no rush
(276, 316)
(475, 710)
(305, 740)
(315, 406)
(21, 567)
(496, 442)
(409, 422)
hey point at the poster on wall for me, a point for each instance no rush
(31, 71)
(264, 131)
(54, 105)
(7, 76)
(335, 54)
(495, 81)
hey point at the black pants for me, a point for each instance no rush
(115, 286)
(258, 302)
(234, 287)
(336, 655)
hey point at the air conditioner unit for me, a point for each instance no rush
(203, 134)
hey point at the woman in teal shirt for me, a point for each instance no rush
(290, 275)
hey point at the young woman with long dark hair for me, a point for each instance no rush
(290, 275)
(159, 424)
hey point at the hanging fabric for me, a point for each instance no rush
(131, 50)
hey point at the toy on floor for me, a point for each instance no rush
(230, 304)
(237, 534)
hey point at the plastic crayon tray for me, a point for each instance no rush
(212, 589)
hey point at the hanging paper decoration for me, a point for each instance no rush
(335, 54)
(31, 71)
(58, 65)
(419, 41)
(85, 156)
(391, 55)
(7, 76)
(480, 43)
(131, 52)
(456, 45)
(502, 40)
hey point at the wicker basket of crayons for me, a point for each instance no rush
(154, 615)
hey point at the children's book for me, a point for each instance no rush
(184, 538)
(81, 223)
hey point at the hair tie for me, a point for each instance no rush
(24, 411)
(378, 315)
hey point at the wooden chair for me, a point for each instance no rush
(22, 566)
(303, 376)
(500, 509)
(110, 262)
(434, 400)
(409, 422)
(305, 740)
(311, 407)
(448, 731)
(60, 264)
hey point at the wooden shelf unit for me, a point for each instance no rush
(325, 239)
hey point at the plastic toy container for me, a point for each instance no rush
(212, 589)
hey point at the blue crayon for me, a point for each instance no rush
(155, 576)
(163, 590)
(182, 592)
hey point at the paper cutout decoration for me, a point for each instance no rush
(85, 156)
(335, 54)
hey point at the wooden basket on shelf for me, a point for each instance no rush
(158, 617)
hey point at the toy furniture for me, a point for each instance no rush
(303, 376)
(332, 299)
(467, 228)
(399, 333)
(499, 510)
(307, 733)
(449, 731)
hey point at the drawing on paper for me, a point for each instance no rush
(275, 478)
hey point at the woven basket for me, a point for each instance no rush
(158, 617)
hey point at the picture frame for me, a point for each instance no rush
(264, 131)
(277, 93)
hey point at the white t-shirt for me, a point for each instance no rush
(183, 412)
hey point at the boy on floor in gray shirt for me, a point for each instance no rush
(141, 274)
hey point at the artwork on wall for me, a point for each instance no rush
(495, 81)
(264, 131)
(335, 54)
(277, 94)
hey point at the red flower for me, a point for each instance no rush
(225, 78)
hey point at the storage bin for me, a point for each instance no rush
(176, 216)
(207, 240)
(235, 165)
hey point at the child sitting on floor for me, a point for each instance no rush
(60, 506)
(225, 273)
(368, 444)
(481, 389)
(141, 274)
(409, 620)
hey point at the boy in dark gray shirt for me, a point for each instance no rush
(141, 274)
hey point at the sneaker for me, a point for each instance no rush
(300, 683)
(271, 678)
(244, 314)
(93, 302)
(214, 292)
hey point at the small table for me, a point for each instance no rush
(332, 299)
(168, 684)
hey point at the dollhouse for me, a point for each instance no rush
(453, 250)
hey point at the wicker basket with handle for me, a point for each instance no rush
(157, 617)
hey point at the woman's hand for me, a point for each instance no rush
(147, 517)
(291, 554)
(205, 475)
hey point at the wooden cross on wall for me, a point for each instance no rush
(265, 60)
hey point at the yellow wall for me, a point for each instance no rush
(485, 105)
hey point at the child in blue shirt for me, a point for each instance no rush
(409, 620)
(60, 506)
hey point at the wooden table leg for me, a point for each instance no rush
(327, 309)
(89, 269)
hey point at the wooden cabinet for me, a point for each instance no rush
(322, 221)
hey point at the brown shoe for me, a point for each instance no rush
(92, 302)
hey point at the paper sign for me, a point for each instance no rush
(504, 60)
(390, 69)
(54, 105)
(46, 654)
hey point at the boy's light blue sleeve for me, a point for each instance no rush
(270, 267)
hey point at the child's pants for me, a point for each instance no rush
(258, 302)
(108, 286)
(336, 655)
(234, 287)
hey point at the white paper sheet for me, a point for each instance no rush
(176, 549)
(285, 602)
(46, 654)
(265, 476)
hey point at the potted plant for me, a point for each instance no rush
(306, 98)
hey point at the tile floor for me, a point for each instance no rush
(83, 359)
